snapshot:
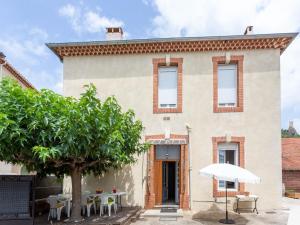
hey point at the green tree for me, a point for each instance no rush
(52, 134)
(286, 133)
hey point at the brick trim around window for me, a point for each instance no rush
(235, 59)
(162, 62)
(240, 141)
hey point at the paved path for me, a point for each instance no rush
(271, 217)
(276, 217)
(294, 205)
(174, 221)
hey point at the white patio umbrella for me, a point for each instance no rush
(229, 172)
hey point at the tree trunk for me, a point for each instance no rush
(76, 195)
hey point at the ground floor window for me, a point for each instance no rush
(228, 153)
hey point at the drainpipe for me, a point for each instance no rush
(189, 129)
(144, 178)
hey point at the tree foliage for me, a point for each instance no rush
(53, 134)
(286, 133)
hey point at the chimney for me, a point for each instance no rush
(291, 124)
(114, 33)
(249, 30)
(2, 56)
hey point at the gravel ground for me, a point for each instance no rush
(211, 217)
(276, 217)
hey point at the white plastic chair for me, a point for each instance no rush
(67, 203)
(87, 202)
(108, 201)
(55, 207)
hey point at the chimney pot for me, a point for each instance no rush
(249, 30)
(2, 56)
(114, 33)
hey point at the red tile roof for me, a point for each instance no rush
(290, 153)
(16, 73)
(166, 45)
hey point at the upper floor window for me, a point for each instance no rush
(228, 84)
(167, 87)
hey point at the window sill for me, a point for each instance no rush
(228, 190)
(225, 109)
(219, 194)
(167, 110)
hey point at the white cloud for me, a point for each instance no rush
(201, 17)
(214, 17)
(25, 48)
(27, 52)
(95, 22)
(73, 14)
(146, 2)
(38, 33)
(67, 10)
(290, 77)
(85, 20)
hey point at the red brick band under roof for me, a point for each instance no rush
(290, 153)
(16, 74)
(167, 45)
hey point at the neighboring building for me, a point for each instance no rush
(202, 100)
(6, 69)
(291, 163)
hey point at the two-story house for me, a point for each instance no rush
(6, 69)
(202, 100)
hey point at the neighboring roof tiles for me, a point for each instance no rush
(290, 153)
(16, 73)
(164, 45)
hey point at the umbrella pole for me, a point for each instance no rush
(226, 202)
(226, 220)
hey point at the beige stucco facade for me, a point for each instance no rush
(130, 79)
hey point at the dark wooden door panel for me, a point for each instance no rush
(158, 181)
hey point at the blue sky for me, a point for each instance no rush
(27, 25)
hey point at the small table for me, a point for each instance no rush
(244, 198)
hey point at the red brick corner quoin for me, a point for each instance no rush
(240, 141)
(235, 59)
(162, 62)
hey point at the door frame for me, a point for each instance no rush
(151, 193)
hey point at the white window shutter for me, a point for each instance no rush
(167, 86)
(227, 84)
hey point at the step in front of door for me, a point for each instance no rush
(166, 206)
(158, 213)
(168, 210)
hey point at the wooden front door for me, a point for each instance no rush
(162, 179)
(158, 181)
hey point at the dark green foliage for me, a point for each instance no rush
(53, 134)
(286, 133)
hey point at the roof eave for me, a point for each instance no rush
(289, 36)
